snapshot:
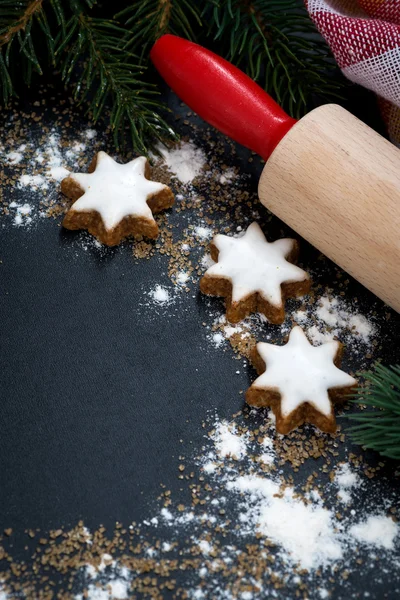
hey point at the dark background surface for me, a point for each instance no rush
(97, 401)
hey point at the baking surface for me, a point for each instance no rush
(113, 377)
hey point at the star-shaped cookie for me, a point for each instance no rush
(299, 381)
(113, 201)
(254, 275)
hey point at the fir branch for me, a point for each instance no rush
(165, 10)
(379, 429)
(150, 19)
(113, 76)
(278, 46)
(16, 25)
(22, 20)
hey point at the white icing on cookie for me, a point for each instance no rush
(254, 265)
(301, 372)
(116, 191)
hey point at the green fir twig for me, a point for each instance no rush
(111, 76)
(18, 22)
(148, 20)
(379, 428)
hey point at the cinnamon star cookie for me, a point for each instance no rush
(299, 382)
(254, 275)
(113, 201)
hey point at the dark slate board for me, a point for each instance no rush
(97, 402)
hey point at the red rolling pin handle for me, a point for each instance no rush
(221, 94)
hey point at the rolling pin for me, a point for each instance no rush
(328, 176)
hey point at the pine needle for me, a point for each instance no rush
(379, 428)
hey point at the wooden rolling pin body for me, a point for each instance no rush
(337, 183)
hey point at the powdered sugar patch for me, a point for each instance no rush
(22, 214)
(305, 532)
(182, 278)
(203, 233)
(227, 442)
(227, 176)
(206, 261)
(107, 581)
(16, 156)
(185, 161)
(378, 531)
(44, 167)
(333, 317)
(160, 295)
(346, 480)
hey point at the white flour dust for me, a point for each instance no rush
(16, 156)
(185, 161)
(22, 213)
(228, 176)
(160, 295)
(376, 531)
(204, 233)
(307, 533)
(39, 170)
(334, 318)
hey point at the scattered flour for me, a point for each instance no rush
(334, 313)
(58, 173)
(22, 214)
(346, 480)
(36, 182)
(160, 295)
(90, 134)
(119, 590)
(230, 330)
(304, 532)
(334, 318)
(318, 337)
(94, 593)
(227, 442)
(114, 586)
(378, 531)
(182, 278)
(209, 467)
(300, 316)
(186, 161)
(268, 457)
(51, 158)
(227, 176)
(205, 547)
(218, 339)
(16, 156)
(207, 261)
(255, 505)
(44, 168)
(221, 332)
(166, 547)
(203, 233)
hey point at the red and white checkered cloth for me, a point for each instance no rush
(364, 36)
